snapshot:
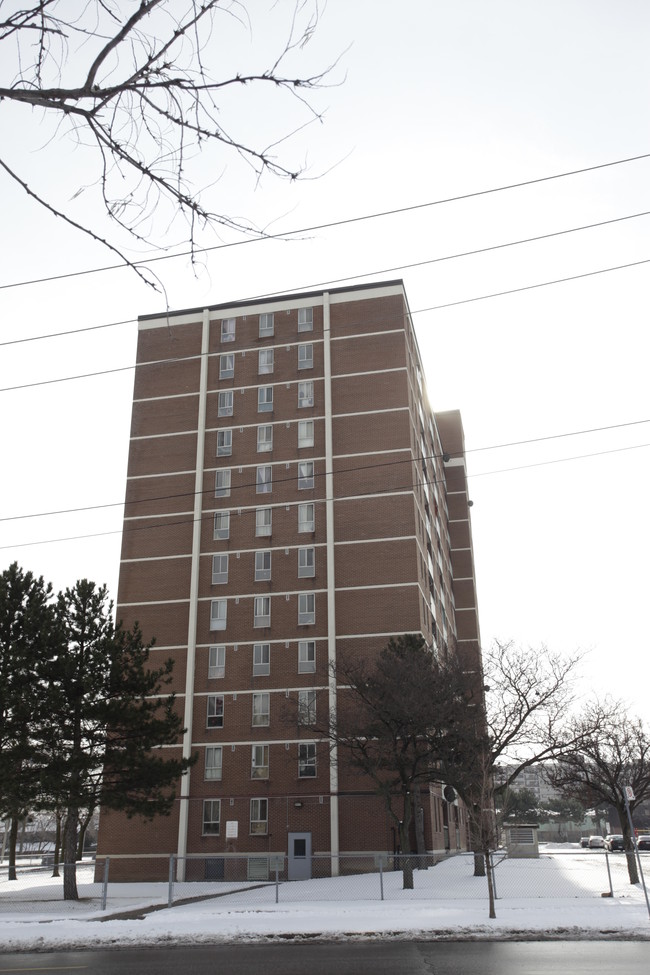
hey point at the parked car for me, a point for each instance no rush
(596, 843)
(584, 841)
(614, 841)
(643, 843)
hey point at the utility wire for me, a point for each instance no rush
(345, 470)
(317, 501)
(367, 274)
(334, 223)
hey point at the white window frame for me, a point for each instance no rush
(307, 706)
(261, 659)
(227, 365)
(305, 394)
(215, 710)
(264, 522)
(228, 329)
(306, 562)
(218, 614)
(267, 324)
(213, 764)
(305, 475)
(305, 319)
(261, 611)
(264, 438)
(226, 401)
(259, 761)
(307, 657)
(262, 566)
(306, 608)
(305, 433)
(259, 817)
(221, 525)
(224, 443)
(220, 569)
(306, 355)
(264, 479)
(307, 757)
(222, 482)
(264, 403)
(306, 517)
(261, 709)
(211, 817)
(216, 662)
(265, 362)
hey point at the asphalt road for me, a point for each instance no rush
(369, 958)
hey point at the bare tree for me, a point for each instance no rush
(140, 85)
(529, 697)
(614, 756)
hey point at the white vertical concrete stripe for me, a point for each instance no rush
(183, 818)
(331, 603)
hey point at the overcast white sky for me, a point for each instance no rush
(436, 99)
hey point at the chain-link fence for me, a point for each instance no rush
(126, 884)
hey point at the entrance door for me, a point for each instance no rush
(299, 856)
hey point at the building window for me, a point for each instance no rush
(264, 361)
(305, 475)
(215, 711)
(307, 707)
(225, 403)
(305, 355)
(305, 319)
(266, 325)
(221, 524)
(261, 659)
(306, 521)
(262, 566)
(306, 608)
(262, 611)
(264, 480)
(305, 394)
(263, 521)
(259, 816)
(305, 433)
(216, 662)
(219, 570)
(218, 614)
(224, 443)
(260, 762)
(265, 399)
(222, 483)
(226, 365)
(264, 438)
(227, 329)
(261, 709)
(307, 760)
(211, 817)
(307, 657)
(213, 762)
(306, 563)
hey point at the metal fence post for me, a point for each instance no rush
(609, 874)
(381, 878)
(277, 882)
(170, 891)
(105, 884)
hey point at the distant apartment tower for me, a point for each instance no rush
(291, 497)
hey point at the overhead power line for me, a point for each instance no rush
(331, 224)
(346, 470)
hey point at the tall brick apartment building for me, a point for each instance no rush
(291, 497)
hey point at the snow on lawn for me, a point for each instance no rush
(554, 896)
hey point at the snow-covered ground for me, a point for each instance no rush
(558, 896)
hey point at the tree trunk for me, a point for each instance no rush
(405, 844)
(57, 846)
(628, 846)
(419, 828)
(13, 841)
(70, 892)
(490, 881)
